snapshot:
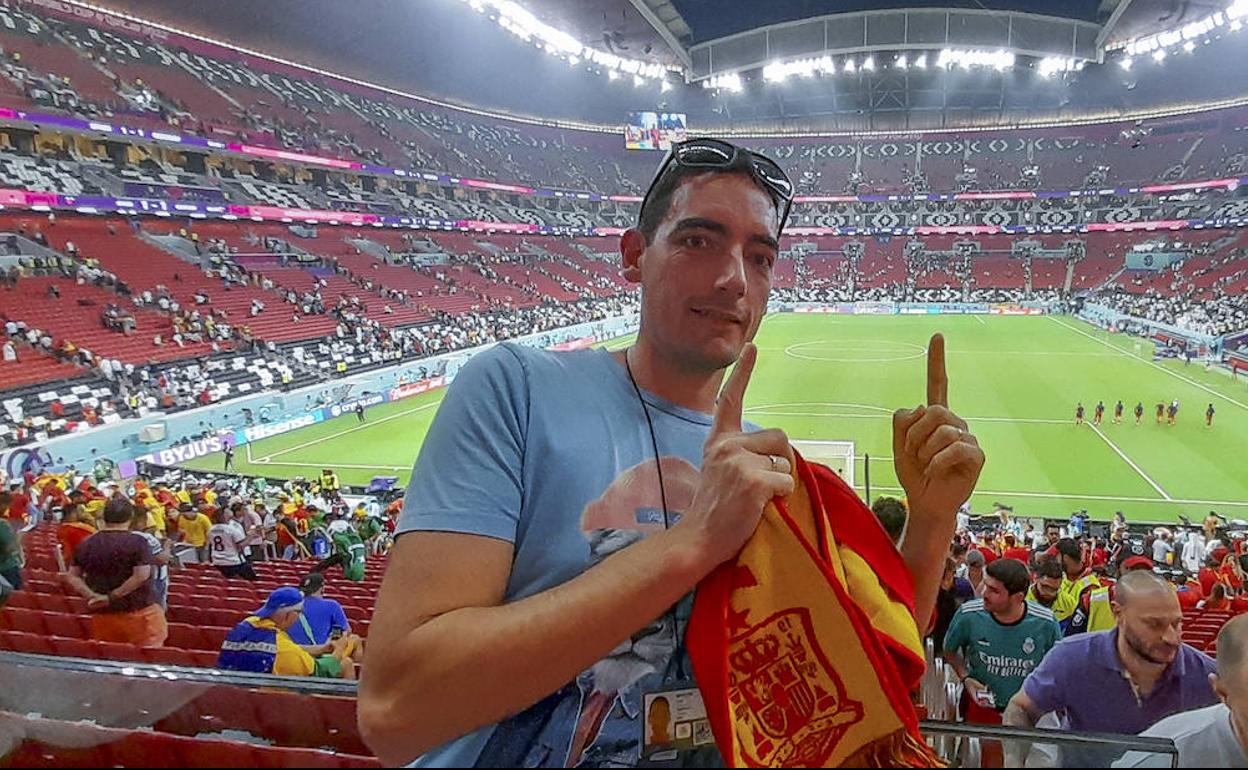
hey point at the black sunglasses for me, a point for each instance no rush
(718, 154)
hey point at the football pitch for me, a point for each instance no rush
(1016, 380)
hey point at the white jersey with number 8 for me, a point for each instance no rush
(225, 544)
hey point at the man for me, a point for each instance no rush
(359, 412)
(1118, 407)
(1052, 533)
(1209, 416)
(1139, 412)
(1216, 736)
(252, 523)
(529, 607)
(1046, 591)
(229, 457)
(10, 556)
(1076, 576)
(975, 574)
(260, 644)
(1012, 550)
(322, 618)
(1079, 414)
(1094, 607)
(162, 553)
(225, 546)
(113, 571)
(1161, 410)
(995, 642)
(329, 483)
(349, 551)
(1192, 557)
(193, 528)
(892, 515)
(1163, 549)
(74, 528)
(1173, 411)
(1100, 412)
(1119, 681)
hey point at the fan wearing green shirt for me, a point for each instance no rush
(993, 643)
(349, 550)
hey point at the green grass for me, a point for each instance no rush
(1016, 381)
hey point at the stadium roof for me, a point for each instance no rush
(443, 49)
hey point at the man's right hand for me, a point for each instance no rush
(739, 474)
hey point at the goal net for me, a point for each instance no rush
(837, 455)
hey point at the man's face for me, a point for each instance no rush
(1152, 624)
(707, 274)
(1046, 589)
(1052, 535)
(1233, 690)
(997, 598)
(288, 617)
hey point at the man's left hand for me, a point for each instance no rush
(938, 460)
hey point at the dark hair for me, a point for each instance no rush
(670, 180)
(892, 515)
(118, 510)
(1012, 574)
(1049, 568)
(314, 582)
(1068, 547)
(959, 549)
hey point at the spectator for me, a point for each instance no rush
(193, 528)
(260, 644)
(225, 545)
(1216, 736)
(10, 555)
(143, 525)
(975, 572)
(10, 352)
(1217, 601)
(953, 591)
(76, 526)
(995, 642)
(1077, 576)
(892, 515)
(252, 524)
(113, 571)
(321, 617)
(1046, 590)
(1119, 681)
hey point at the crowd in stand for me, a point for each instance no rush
(1219, 314)
(1090, 628)
(117, 547)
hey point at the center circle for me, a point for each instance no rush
(855, 351)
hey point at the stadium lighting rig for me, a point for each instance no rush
(517, 20)
(1186, 37)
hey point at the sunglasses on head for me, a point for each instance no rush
(712, 154)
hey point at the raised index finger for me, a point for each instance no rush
(729, 408)
(937, 381)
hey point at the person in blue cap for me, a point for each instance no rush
(260, 644)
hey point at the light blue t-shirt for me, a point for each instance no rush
(551, 452)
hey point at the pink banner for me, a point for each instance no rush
(416, 388)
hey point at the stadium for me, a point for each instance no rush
(278, 284)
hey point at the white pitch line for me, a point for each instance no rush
(982, 322)
(1153, 364)
(346, 465)
(1097, 429)
(340, 434)
(889, 416)
(1108, 498)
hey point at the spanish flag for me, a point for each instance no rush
(805, 646)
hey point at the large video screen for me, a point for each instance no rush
(654, 130)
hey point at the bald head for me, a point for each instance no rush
(1233, 648)
(1140, 586)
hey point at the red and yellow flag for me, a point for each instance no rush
(805, 646)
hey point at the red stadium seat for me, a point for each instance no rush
(76, 648)
(68, 626)
(26, 621)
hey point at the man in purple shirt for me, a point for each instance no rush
(1120, 681)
